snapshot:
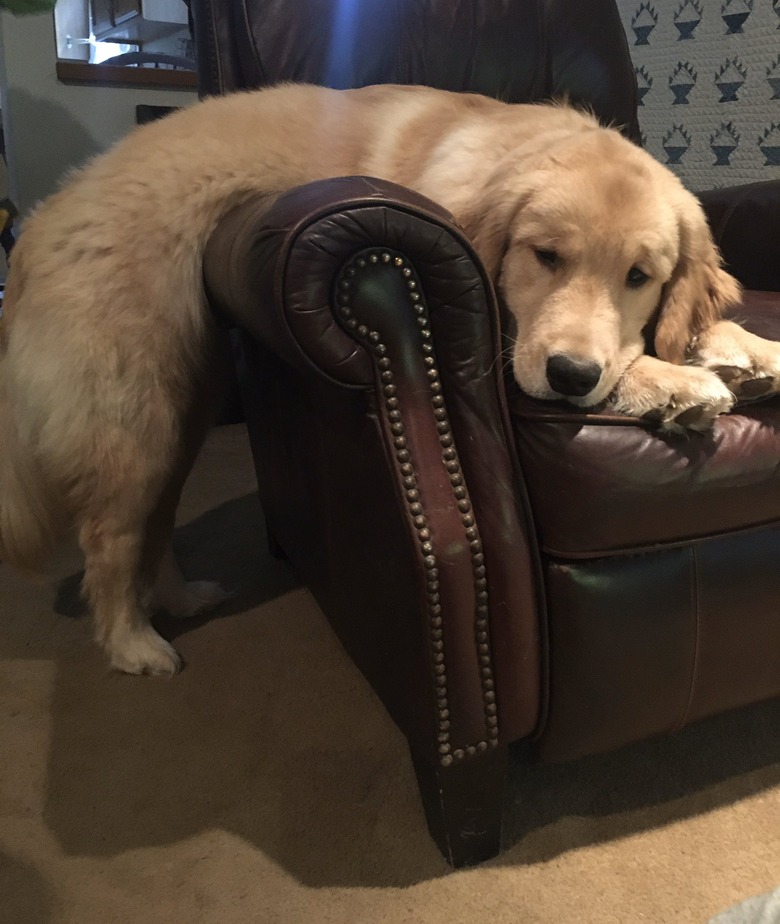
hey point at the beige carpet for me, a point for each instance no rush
(266, 784)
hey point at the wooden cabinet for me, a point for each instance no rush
(137, 21)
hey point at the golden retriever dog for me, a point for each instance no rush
(107, 342)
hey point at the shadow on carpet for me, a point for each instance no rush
(271, 734)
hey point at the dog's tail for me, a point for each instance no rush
(28, 519)
(29, 525)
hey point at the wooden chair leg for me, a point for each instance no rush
(464, 804)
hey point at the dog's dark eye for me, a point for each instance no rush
(548, 258)
(636, 278)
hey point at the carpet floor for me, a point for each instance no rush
(266, 784)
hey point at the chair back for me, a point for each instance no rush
(515, 50)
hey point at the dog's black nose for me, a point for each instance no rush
(572, 377)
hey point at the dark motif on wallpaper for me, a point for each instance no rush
(643, 23)
(769, 145)
(734, 13)
(687, 17)
(773, 78)
(681, 82)
(644, 83)
(676, 142)
(729, 79)
(723, 143)
(776, 8)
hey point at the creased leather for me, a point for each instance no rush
(602, 483)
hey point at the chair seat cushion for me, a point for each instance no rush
(602, 483)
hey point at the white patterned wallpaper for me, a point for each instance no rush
(709, 86)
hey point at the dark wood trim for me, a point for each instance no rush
(79, 72)
(464, 804)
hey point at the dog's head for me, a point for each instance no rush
(588, 246)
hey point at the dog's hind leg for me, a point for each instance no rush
(170, 591)
(118, 487)
(127, 511)
(130, 569)
(112, 581)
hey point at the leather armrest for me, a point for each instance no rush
(270, 264)
(373, 288)
(745, 223)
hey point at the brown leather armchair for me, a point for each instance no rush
(500, 569)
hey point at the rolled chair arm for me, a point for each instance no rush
(372, 288)
(270, 263)
(745, 222)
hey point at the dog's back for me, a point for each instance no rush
(107, 335)
(105, 299)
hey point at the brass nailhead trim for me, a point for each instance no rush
(394, 417)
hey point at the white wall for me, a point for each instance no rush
(49, 126)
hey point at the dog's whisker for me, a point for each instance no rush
(504, 357)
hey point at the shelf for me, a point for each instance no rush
(79, 72)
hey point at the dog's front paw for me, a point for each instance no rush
(677, 398)
(747, 364)
(142, 651)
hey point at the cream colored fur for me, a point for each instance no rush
(109, 363)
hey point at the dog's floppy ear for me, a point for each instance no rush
(488, 217)
(699, 291)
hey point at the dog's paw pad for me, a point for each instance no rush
(674, 419)
(747, 382)
(681, 415)
(728, 374)
(694, 418)
(754, 388)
